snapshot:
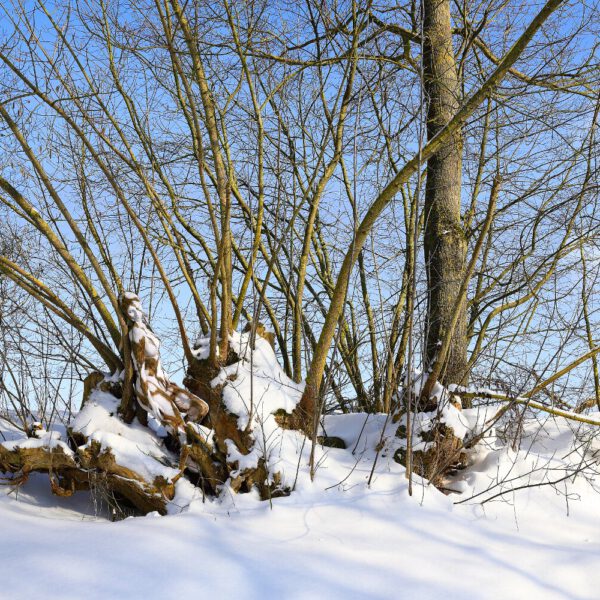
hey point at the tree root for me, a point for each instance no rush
(71, 472)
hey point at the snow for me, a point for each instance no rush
(334, 537)
(145, 460)
(100, 414)
(351, 532)
(257, 397)
(201, 349)
(43, 439)
(549, 450)
(446, 411)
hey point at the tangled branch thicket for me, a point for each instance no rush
(377, 189)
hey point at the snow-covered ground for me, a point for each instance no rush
(332, 538)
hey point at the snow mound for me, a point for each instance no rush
(256, 386)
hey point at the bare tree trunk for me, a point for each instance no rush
(445, 242)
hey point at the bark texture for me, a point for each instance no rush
(445, 242)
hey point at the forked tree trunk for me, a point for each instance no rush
(445, 242)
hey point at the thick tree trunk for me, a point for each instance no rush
(445, 243)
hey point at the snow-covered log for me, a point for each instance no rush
(45, 452)
(133, 457)
(128, 460)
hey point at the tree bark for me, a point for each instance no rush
(445, 241)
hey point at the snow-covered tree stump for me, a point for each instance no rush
(128, 461)
(438, 436)
(245, 394)
(239, 445)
